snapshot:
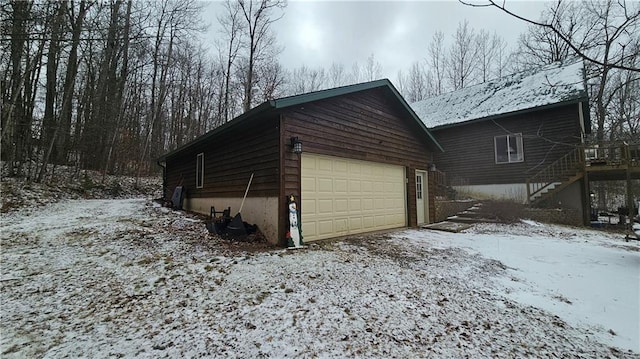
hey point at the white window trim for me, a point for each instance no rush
(200, 165)
(520, 148)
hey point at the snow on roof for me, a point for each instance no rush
(548, 85)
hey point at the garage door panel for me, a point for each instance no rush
(325, 206)
(324, 165)
(310, 184)
(340, 186)
(354, 185)
(325, 227)
(355, 205)
(341, 205)
(311, 206)
(341, 225)
(355, 223)
(310, 229)
(343, 196)
(324, 185)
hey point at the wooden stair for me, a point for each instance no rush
(554, 178)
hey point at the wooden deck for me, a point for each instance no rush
(604, 162)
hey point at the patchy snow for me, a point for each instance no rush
(125, 278)
(529, 89)
(531, 223)
(588, 278)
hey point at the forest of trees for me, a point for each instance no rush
(112, 85)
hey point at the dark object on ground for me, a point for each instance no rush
(236, 228)
(218, 221)
(176, 199)
(233, 229)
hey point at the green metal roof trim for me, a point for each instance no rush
(289, 101)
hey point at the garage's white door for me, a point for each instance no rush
(343, 196)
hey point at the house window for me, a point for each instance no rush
(419, 187)
(200, 170)
(509, 148)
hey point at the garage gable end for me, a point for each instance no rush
(384, 84)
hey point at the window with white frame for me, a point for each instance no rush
(200, 170)
(508, 148)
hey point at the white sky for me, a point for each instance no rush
(317, 33)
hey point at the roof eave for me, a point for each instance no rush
(408, 108)
(580, 99)
(306, 98)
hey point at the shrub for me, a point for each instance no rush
(116, 189)
(87, 183)
(503, 211)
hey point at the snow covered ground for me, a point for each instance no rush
(125, 278)
(589, 278)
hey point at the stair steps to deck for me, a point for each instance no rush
(555, 188)
(556, 177)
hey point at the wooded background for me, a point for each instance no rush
(112, 85)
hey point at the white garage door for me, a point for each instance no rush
(342, 196)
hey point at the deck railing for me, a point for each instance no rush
(557, 172)
(574, 162)
(613, 155)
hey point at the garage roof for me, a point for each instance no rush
(281, 103)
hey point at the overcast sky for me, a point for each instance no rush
(317, 33)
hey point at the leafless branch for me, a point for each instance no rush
(628, 19)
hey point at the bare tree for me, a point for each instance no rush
(272, 80)
(401, 83)
(356, 74)
(416, 84)
(336, 75)
(258, 16)
(437, 61)
(489, 49)
(20, 79)
(172, 19)
(372, 69)
(542, 45)
(231, 24)
(304, 79)
(462, 57)
(616, 21)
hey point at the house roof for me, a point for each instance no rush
(551, 85)
(289, 101)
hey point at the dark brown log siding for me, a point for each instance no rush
(367, 126)
(230, 158)
(469, 149)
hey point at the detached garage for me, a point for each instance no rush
(355, 156)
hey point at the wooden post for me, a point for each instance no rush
(627, 154)
(586, 206)
(582, 166)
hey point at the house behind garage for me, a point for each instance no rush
(363, 165)
(500, 135)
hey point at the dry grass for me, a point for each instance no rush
(502, 211)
